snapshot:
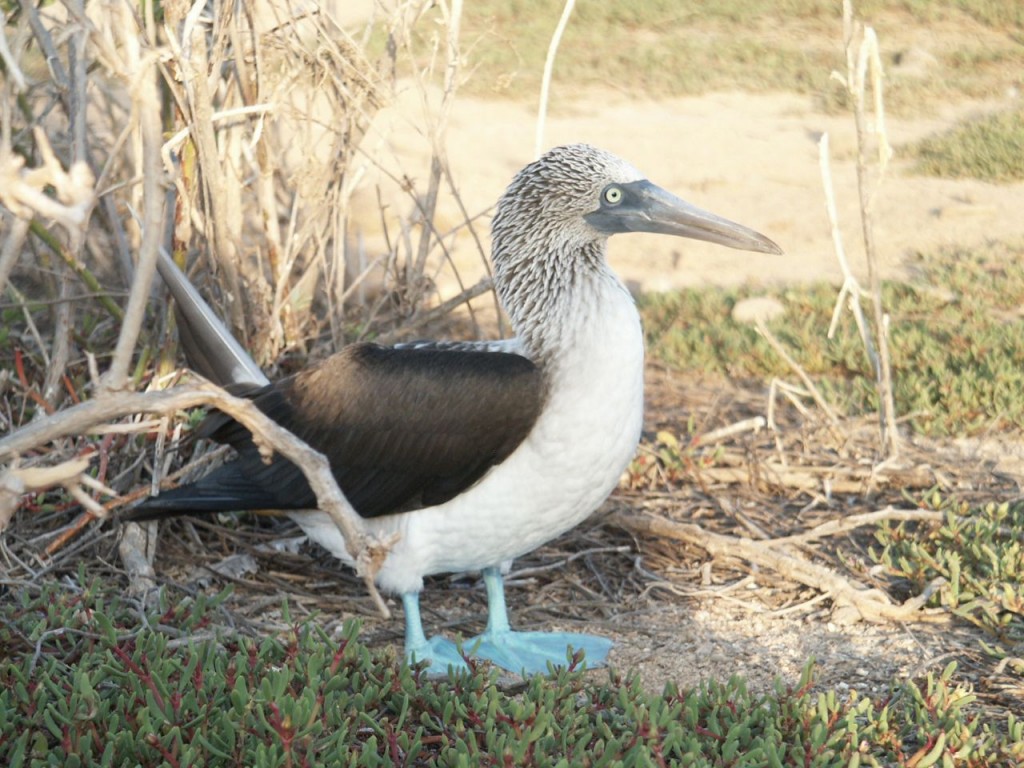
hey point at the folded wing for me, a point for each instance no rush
(402, 428)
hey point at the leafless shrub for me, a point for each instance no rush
(234, 135)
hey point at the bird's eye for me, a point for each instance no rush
(613, 195)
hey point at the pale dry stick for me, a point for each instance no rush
(549, 67)
(867, 56)
(792, 393)
(13, 245)
(819, 399)
(23, 191)
(23, 303)
(61, 350)
(143, 74)
(13, 71)
(172, 144)
(852, 522)
(439, 130)
(854, 601)
(64, 91)
(851, 287)
(470, 225)
(190, 52)
(755, 425)
(270, 436)
(76, 93)
(251, 83)
(79, 154)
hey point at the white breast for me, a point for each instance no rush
(558, 476)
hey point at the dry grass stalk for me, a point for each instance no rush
(141, 72)
(549, 66)
(819, 399)
(862, 60)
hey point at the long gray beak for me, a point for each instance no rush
(646, 207)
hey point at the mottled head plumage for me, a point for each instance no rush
(557, 190)
(542, 243)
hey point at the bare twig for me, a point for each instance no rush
(12, 245)
(850, 286)
(142, 71)
(12, 70)
(754, 424)
(549, 66)
(854, 601)
(833, 419)
(862, 55)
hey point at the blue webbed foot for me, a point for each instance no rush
(531, 652)
(439, 652)
(528, 652)
(517, 652)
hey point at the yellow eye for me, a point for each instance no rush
(613, 195)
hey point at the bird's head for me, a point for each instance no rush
(550, 228)
(577, 195)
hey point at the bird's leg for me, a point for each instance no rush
(528, 651)
(439, 651)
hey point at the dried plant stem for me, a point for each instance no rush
(73, 100)
(754, 424)
(192, 57)
(850, 288)
(146, 110)
(77, 420)
(854, 600)
(833, 419)
(861, 56)
(61, 351)
(439, 156)
(11, 68)
(12, 246)
(545, 82)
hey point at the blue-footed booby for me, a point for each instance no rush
(473, 453)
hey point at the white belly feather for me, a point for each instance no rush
(567, 465)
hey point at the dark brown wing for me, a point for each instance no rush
(401, 428)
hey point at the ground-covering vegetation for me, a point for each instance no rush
(956, 334)
(89, 677)
(664, 48)
(95, 681)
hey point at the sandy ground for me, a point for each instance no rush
(752, 158)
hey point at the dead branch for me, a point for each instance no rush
(861, 56)
(143, 73)
(852, 522)
(13, 71)
(854, 601)
(23, 190)
(364, 549)
(732, 469)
